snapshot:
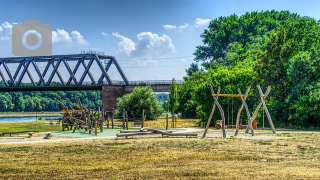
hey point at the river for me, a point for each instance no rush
(31, 118)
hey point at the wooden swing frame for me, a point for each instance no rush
(243, 99)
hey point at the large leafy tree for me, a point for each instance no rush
(223, 31)
(141, 98)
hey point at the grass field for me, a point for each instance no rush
(165, 158)
(42, 126)
(296, 157)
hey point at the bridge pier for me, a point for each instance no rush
(110, 95)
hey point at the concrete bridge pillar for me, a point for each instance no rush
(110, 95)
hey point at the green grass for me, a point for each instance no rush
(30, 125)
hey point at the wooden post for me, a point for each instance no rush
(239, 112)
(63, 118)
(112, 117)
(100, 119)
(89, 118)
(95, 128)
(258, 107)
(123, 118)
(127, 119)
(248, 113)
(211, 114)
(221, 111)
(266, 109)
(142, 124)
(167, 122)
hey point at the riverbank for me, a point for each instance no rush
(28, 114)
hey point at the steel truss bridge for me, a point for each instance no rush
(14, 81)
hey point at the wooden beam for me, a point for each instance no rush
(66, 110)
(228, 95)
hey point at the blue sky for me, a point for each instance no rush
(140, 34)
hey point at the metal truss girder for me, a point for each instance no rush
(23, 72)
(38, 72)
(106, 68)
(86, 71)
(74, 71)
(8, 72)
(29, 74)
(3, 78)
(17, 72)
(70, 72)
(15, 79)
(104, 73)
(44, 73)
(58, 72)
(120, 71)
(53, 72)
(89, 73)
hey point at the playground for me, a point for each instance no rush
(96, 144)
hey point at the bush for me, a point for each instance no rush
(141, 98)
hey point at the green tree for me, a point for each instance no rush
(173, 103)
(141, 98)
(224, 31)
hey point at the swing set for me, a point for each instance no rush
(243, 105)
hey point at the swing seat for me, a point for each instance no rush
(219, 125)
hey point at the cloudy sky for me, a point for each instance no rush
(151, 39)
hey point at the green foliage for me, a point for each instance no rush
(270, 48)
(173, 103)
(223, 31)
(229, 80)
(46, 100)
(141, 98)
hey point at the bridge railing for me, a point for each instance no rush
(114, 83)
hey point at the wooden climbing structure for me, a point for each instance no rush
(81, 118)
(222, 123)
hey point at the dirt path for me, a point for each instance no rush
(212, 133)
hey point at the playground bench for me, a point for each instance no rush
(17, 132)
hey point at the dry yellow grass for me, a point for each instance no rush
(164, 158)
(161, 123)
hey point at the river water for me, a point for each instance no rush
(31, 118)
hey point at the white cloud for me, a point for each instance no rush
(153, 45)
(169, 26)
(184, 26)
(148, 44)
(78, 38)
(6, 30)
(104, 34)
(202, 22)
(63, 37)
(58, 36)
(125, 45)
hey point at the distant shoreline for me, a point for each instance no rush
(28, 114)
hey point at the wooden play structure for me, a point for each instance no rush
(149, 131)
(82, 118)
(221, 124)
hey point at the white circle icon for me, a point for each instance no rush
(29, 38)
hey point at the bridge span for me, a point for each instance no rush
(43, 81)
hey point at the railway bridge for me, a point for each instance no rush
(71, 78)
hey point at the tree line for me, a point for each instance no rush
(271, 48)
